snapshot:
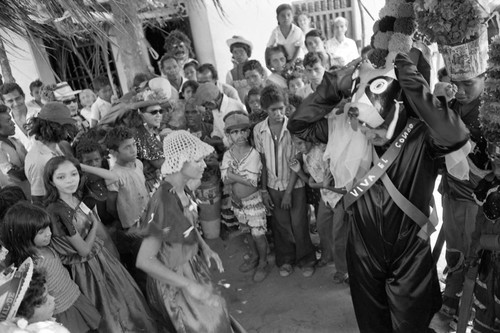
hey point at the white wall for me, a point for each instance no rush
(27, 63)
(254, 20)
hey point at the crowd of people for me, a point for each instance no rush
(99, 193)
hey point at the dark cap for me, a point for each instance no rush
(56, 112)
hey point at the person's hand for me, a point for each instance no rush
(166, 131)
(446, 90)
(328, 179)
(209, 254)
(311, 182)
(202, 293)
(286, 202)
(295, 165)
(266, 199)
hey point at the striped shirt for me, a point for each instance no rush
(277, 161)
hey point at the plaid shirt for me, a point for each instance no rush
(277, 158)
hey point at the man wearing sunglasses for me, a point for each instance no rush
(210, 99)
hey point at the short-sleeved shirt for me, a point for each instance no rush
(294, 39)
(167, 219)
(34, 165)
(249, 167)
(278, 170)
(99, 109)
(342, 52)
(227, 105)
(132, 195)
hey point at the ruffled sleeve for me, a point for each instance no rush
(164, 218)
(62, 220)
(227, 161)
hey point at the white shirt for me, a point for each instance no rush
(294, 39)
(34, 165)
(227, 105)
(342, 52)
(26, 140)
(228, 90)
(99, 109)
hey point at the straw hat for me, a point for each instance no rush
(63, 91)
(239, 39)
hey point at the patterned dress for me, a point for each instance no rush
(100, 276)
(149, 148)
(167, 219)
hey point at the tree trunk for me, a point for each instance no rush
(129, 37)
(5, 65)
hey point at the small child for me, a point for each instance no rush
(276, 62)
(26, 234)
(95, 192)
(283, 193)
(190, 70)
(189, 89)
(36, 102)
(254, 109)
(295, 82)
(287, 33)
(102, 105)
(241, 51)
(87, 98)
(241, 168)
(293, 103)
(128, 198)
(330, 212)
(254, 73)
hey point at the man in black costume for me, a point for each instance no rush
(393, 279)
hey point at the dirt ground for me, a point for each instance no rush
(294, 303)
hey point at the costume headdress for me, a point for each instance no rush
(459, 28)
(14, 283)
(393, 32)
(489, 111)
(180, 147)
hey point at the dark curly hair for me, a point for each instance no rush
(272, 94)
(10, 195)
(177, 36)
(20, 226)
(35, 84)
(251, 65)
(116, 136)
(87, 146)
(35, 295)
(46, 130)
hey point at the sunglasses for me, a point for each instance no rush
(155, 112)
(70, 101)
